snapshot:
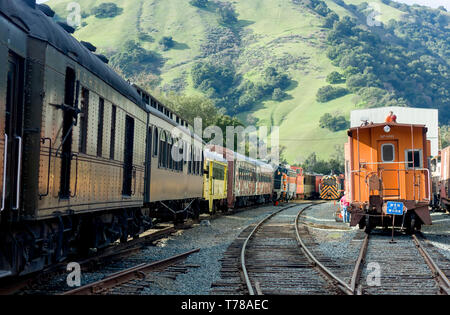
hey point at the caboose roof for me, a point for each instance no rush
(372, 125)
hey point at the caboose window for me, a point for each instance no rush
(413, 161)
(388, 152)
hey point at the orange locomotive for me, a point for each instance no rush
(388, 162)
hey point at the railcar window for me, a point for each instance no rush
(388, 152)
(112, 144)
(101, 111)
(200, 159)
(156, 142)
(175, 158)
(162, 149)
(196, 157)
(202, 163)
(414, 161)
(169, 153)
(84, 120)
(218, 172)
(191, 154)
(182, 155)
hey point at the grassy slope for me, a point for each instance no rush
(269, 25)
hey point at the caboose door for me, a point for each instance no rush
(388, 168)
(12, 154)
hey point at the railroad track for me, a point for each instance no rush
(29, 284)
(271, 257)
(133, 280)
(408, 266)
(275, 265)
(116, 251)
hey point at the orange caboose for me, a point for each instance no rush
(388, 162)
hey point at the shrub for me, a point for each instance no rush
(227, 15)
(335, 78)
(330, 19)
(215, 79)
(106, 10)
(133, 58)
(166, 42)
(278, 94)
(199, 3)
(144, 37)
(333, 123)
(328, 93)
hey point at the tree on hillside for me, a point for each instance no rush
(191, 107)
(335, 78)
(329, 92)
(444, 136)
(333, 122)
(212, 79)
(227, 15)
(133, 59)
(106, 10)
(199, 3)
(166, 42)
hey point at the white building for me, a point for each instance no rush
(405, 115)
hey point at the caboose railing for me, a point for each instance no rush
(424, 171)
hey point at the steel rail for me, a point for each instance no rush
(136, 272)
(250, 289)
(114, 251)
(344, 287)
(354, 284)
(440, 277)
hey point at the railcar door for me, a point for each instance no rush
(12, 154)
(128, 158)
(388, 169)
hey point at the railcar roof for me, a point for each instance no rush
(214, 156)
(42, 27)
(372, 125)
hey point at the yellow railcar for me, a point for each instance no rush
(215, 181)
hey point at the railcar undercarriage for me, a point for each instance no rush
(30, 246)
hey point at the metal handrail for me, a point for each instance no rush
(403, 170)
(76, 175)
(43, 140)
(414, 171)
(5, 157)
(19, 170)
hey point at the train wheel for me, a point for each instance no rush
(368, 224)
(362, 224)
(411, 224)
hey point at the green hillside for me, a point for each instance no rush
(288, 35)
